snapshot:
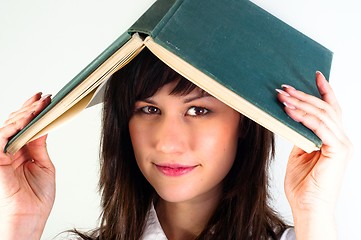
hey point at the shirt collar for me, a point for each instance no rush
(153, 230)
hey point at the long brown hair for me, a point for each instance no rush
(242, 213)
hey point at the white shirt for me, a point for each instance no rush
(154, 231)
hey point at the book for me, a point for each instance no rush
(233, 49)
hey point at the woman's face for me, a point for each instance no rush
(184, 144)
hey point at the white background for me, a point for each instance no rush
(44, 43)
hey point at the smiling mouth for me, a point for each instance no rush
(174, 170)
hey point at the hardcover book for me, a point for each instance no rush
(233, 49)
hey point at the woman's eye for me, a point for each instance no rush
(150, 110)
(197, 111)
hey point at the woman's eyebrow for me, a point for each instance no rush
(203, 94)
(147, 100)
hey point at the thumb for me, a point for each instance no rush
(39, 152)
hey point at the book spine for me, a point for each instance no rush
(156, 17)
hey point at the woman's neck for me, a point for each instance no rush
(185, 220)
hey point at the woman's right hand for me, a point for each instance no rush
(27, 178)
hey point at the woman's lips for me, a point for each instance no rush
(174, 170)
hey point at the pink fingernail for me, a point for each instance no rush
(287, 86)
(43, 98)
(282, 92)
(319, 73)
(287, 105)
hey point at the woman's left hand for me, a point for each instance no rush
(313, 180)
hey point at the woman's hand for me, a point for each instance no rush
(27, 178)
(313, 180)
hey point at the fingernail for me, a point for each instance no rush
(287, 105)
(287, 86)
(43, 98)
(282, 92)
(37, 95)
(319, 73)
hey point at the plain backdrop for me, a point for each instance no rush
(44, 43)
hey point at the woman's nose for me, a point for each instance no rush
(171, 135)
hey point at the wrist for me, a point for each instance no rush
(21, 228)
(315, 225)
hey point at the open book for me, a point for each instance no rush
(234, 50)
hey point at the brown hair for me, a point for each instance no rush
(242, 213)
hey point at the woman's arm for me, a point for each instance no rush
(313, 180)
(27, 178)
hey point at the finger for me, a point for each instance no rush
(326, 92)
(327, 130)
(11, 129)
(31, 100)
(309, 113)
(323, 122)
(313, 117)
(39, 153)
(36, 107)
(25, 105)
(319, 116)
(318, 108)
(309, 103)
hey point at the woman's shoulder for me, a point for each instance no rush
(289, 234)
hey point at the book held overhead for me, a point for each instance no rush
(233, 49)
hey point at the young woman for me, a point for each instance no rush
(176, 163)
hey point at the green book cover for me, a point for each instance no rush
(244, 48)
(236, 44)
